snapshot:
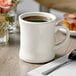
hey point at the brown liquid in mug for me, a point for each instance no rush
(35, 19)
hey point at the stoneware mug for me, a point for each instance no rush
(37, 40)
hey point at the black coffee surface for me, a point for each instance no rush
(35, 19)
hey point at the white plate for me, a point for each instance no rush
(72, 33)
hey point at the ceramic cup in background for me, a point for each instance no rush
(38, 38)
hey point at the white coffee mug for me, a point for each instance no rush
(37, 42)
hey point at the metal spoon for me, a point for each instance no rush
(71, 57)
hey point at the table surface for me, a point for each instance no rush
(11, 65)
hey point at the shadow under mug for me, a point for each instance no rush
(38, 38)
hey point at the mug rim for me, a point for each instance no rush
(38, 14)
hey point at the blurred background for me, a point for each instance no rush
(27, 5)
(58, 7)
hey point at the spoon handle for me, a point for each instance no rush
(47, 72)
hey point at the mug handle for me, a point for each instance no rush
(60, 44)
